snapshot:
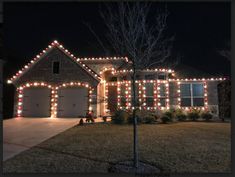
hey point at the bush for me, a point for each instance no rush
(131, 120)
(165, 119)
(144, 116)
(206, 115)
(169, 114)
(150, 119)
(120, 117)
(180, 115)
(194, 114)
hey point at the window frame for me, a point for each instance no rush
(191, 97)
(162, 97)
(147, 95)
(59, 65)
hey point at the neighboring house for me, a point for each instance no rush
(57, 84)
(1, 88)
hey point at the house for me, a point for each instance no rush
(57, 84)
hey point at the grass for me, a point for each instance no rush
(186, 147)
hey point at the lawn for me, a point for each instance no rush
(187, 147)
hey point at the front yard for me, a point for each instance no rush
(177, 147)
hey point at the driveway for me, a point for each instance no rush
(20, 134)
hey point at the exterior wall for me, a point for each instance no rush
(99, 66)
(173, 94)
(69, 71)
(224, 99)
(1, 89)
(101, 99)
(94, 103)
(213, 97)
(15, 104)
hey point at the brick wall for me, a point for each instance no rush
(43, 72)
(213, 97)
(224, 92)
(69, 71)
(173, 94)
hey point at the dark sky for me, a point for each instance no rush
(199, 28)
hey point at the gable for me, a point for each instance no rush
(40, 68)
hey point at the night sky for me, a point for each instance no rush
(199, 28)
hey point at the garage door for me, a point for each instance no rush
(72, 102)
(36, 102)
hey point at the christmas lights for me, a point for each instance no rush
(54, 94)
(145, 70)
(20, 94)
(104, 59)
(199, 79)
(43, 53)
(107, 69)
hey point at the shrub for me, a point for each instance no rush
(120, 117)
(206, 115)
(169, 114)
(194, 114)
(150, 119)
(144, 116)
(180, 115)
(131, 120)
(165, 119)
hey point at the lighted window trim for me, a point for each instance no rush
(142, 94)
(192, 96)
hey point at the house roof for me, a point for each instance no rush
(185, 71)
(104, 59)
(54, 44)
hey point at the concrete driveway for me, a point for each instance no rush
(20, 134)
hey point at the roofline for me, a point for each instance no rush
(104, 59)
(54, 44)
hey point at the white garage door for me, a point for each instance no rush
(72, 102)
(36, 102)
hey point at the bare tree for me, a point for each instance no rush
(131, 33)
(226, 52)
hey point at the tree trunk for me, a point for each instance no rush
(135, 120)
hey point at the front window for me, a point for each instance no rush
(56, 67)
(150, 77)
(137, 94)
(162, 76)
(149, 95)
(162, 95)
(192, 95)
